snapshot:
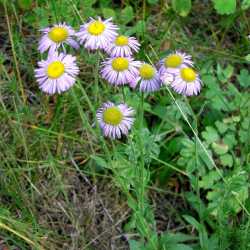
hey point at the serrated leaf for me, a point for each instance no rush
(244, 78)
(226, 160)
(230, 140)
(182, 7)
(224, 74)
(209, 180)
(245, 4)
(225, 6)
(222, 127)
(210, 135)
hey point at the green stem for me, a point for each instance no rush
(97, 91)
(123, 95)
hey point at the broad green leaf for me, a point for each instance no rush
(244, 78)
(140, 27)
(247, 57)
(223, 196)
(210, 135)
(245, 4)
(108, 12)
(182, 7)
(127, 14)
(226, 160)
(230, 140)
(88, 3)
(209, 180)
(225, 6)
(221, 126)
(224, 74)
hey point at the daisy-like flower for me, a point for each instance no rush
(115, 120)
(55, 37)
(56, 74)
(97, 34)
(120, 70)
(148, 78)
(187, 82)
(167, 78)
(123, 46)
(173, 62)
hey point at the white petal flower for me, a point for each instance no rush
(56, 74)
(56, 37)
(187, 82)
(97, 34)
(115, 120)
(123, 46)
(173, 62)
(148, 78)
(120, 70)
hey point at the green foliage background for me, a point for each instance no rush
(192, 152)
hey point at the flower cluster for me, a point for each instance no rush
(58, 72)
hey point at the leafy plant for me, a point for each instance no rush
(225, 6)
(182, 7)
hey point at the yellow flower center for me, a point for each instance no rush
(55, 69)
(112, 116)
(120, 64)
(147, 71)
(121, 41)
(173, 61)
(96, 28)
(188, 74)
(58, 34)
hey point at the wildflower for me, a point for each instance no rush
(56, 74)
(115, 120)
(97, 34)
(55, 37)
(148, 78)
(187, 82)
(120, 70)
(173, 62)
(123, 46)
(167, 78)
